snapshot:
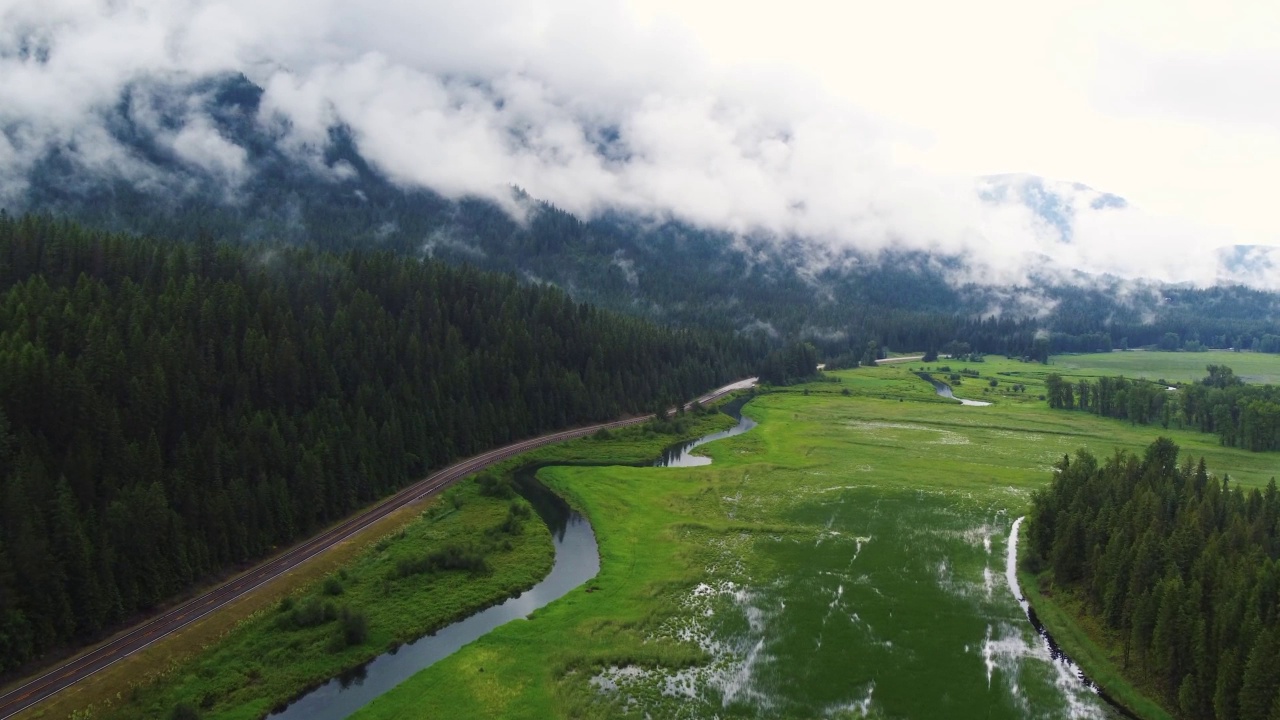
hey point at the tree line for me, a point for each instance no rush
(1181, 566)
(169, 411)
(1243, 416)
(669, 271)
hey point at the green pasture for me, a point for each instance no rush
(843, 559)
(1172, 367)
(1252, 367)
(260, 664)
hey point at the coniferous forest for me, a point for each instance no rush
(1179, 565)
(1244, 416)
(171, 410)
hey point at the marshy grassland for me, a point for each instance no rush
(845, 558)
(1251, 367)
(260, 653)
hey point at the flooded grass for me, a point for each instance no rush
(845, 558)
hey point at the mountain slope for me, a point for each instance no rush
(206, 161)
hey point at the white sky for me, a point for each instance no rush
(1173, 105)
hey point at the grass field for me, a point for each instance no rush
(240, 664)
(1172, 366)
(835, 561)
(1089, 646)
(261, 664)
(843, 559)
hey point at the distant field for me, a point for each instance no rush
(1172, 366)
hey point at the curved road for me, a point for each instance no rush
(75, 669)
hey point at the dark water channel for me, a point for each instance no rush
(682, 455)
(944, 390)
(1055, 652)
(577, 561)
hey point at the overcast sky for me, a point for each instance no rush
(1174, 105)
(854, 124)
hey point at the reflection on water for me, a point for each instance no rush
(577, 560)
(682, 455)
(944, 390)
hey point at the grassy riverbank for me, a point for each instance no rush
(283, 649)
(242, 663)
(843, 559)
(1097, 653)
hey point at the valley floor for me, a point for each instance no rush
(843, 559)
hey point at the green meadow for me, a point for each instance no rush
(845, 558)
(1251, 367)
(276, 653)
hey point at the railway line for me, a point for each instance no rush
(146, 633)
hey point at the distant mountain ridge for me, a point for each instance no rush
(1055, 201)
(242, 182)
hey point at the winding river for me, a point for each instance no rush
(577, 560)
(682, 455)
(944, 390)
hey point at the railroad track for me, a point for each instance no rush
(141, 636)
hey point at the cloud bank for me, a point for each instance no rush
(576, 101)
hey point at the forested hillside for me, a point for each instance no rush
(1245, 416)
(669, 271)
(170, 410)
(1180, 566)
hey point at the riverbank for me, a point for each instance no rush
(842, 559)
(226, 676)
(1085, 642)
(804, 573)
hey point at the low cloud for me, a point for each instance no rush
(574, 101)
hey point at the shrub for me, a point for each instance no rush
(184, 711)
(311, 613)
(494, 486)
(453, 557)
(455, 499)
(332, 586)
(352, 629)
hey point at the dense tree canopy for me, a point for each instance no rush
(1244, 416)
(1180, 565)
(672, 272)
(169, 410)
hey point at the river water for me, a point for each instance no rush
(1066, 665)
(944, 390)
(682, 455)
(577, 561)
